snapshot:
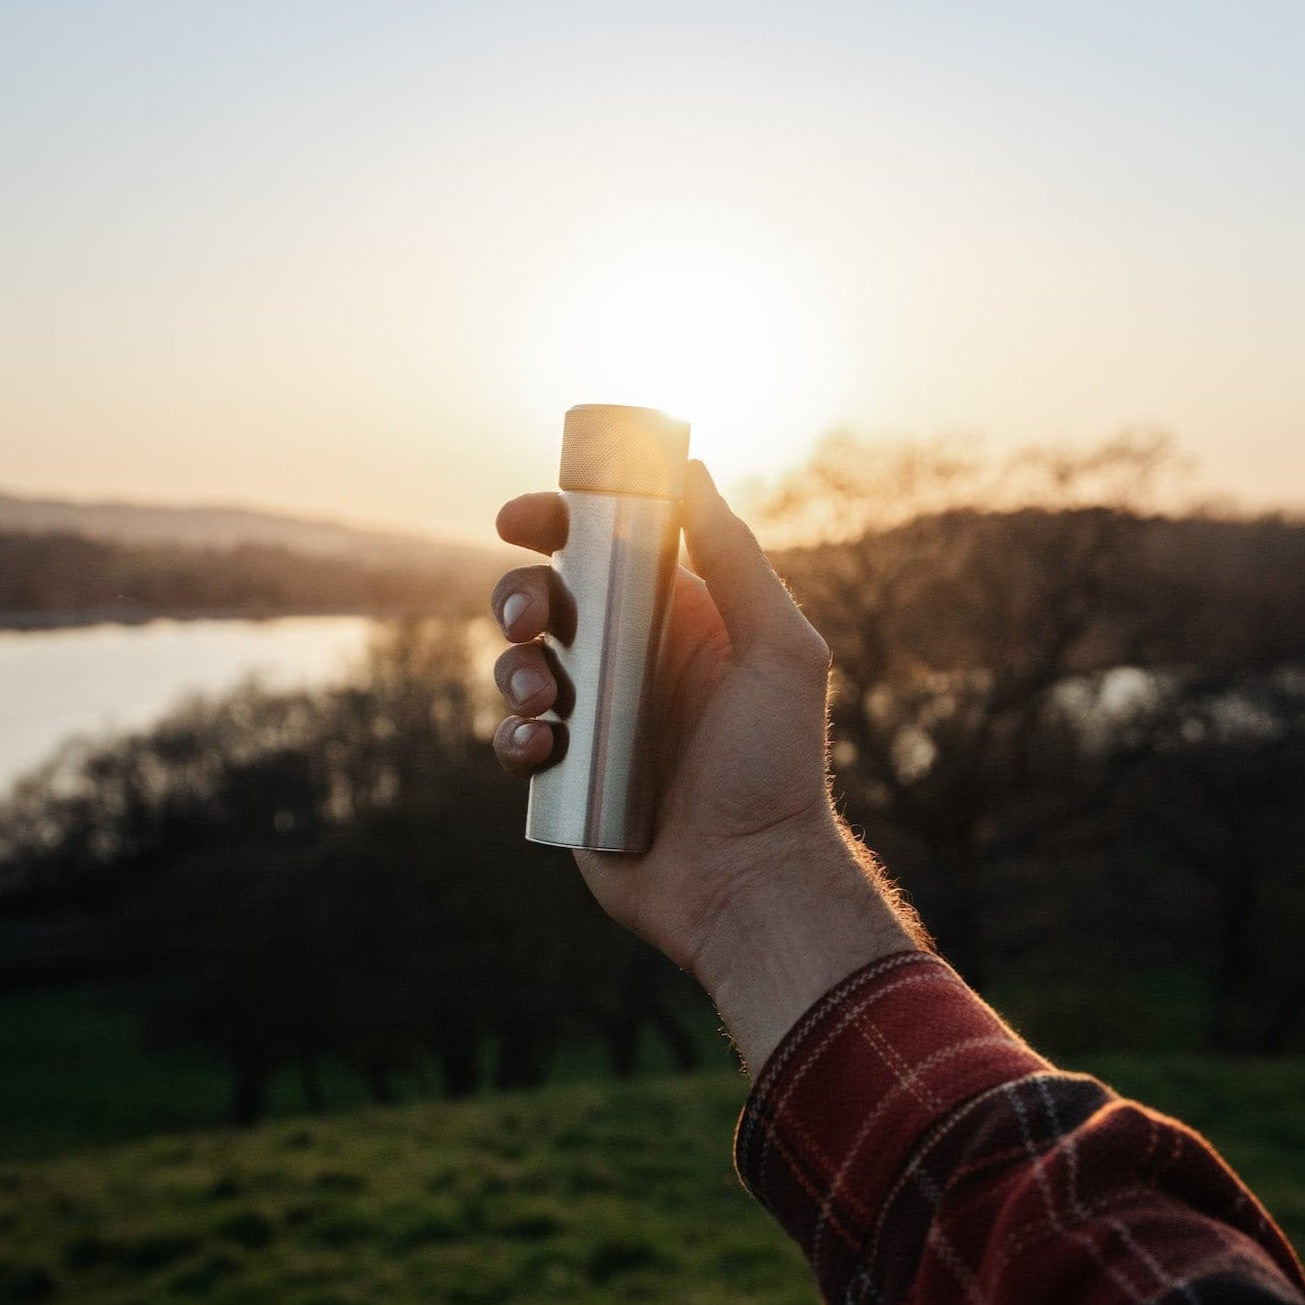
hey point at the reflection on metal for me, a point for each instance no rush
(613, 581)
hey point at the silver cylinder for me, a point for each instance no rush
(622, 476)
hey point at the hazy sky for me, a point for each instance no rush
(358, 258)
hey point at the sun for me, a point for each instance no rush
(716, 337)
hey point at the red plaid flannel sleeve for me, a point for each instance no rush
(919, 1151)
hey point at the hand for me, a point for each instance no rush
(751, 882)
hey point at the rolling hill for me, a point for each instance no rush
(215, 526)
(65, 563)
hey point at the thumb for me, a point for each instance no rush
(752, 600)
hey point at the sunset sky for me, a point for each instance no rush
(357, 259)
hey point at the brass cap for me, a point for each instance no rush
(611, 449)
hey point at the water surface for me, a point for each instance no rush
(93, 679)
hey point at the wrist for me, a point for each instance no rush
(806, 909)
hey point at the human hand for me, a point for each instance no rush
(749, 870)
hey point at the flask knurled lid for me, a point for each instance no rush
(611, 449)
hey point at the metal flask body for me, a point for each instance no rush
(611, 590)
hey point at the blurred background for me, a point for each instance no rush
(990, 319)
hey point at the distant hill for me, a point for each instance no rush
(67, 563)
(225, 527)
(965, 589)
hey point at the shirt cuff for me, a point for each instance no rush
(853, 1090)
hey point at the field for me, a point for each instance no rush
(579, 1192)
(75, 1074)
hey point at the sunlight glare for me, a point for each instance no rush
(717, 339)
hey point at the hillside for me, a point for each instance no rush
(220, 527)
(1089, 588)
(589, 1193)
(581, 1194)
(68, 579)
(70, 564)
(949, 590)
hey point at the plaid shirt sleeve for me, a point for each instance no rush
(919, 1151)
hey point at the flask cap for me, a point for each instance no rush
(608, 448)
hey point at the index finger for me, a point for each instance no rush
(537, 521)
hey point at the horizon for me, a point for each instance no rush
(236, 507)
(1171, 503)
(353, 265)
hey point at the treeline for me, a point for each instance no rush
(1071, 591)
(1163, 590)
(71, 576)
(1078, 738)
(334, 874)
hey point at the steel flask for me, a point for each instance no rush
(622, 478)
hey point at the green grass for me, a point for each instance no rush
(73, 1074)
(576, 1193)
(583, 1192)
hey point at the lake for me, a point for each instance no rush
(92, 679)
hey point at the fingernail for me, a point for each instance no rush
(512, 608)
(523, 733)
(525, 682)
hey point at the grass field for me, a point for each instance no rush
(583, 1192)
(577, 1193)
(73, 1074)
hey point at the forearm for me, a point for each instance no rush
(809, 906)
(916, 1148)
